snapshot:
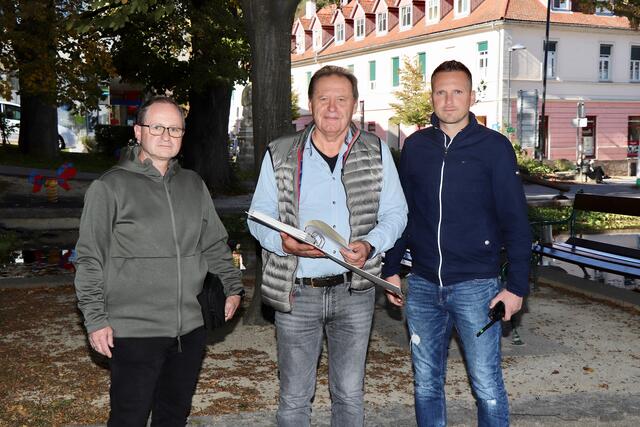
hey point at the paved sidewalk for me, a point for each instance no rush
(579, 366)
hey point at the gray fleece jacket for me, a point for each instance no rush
(146, 242)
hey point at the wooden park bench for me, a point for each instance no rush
(587, 253)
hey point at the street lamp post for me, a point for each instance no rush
(511, 49)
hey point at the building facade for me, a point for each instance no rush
(593, 59)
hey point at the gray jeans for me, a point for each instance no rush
(346, 317)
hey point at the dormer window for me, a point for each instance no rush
(339, 29)
(433, 10)
(462, 8)
(561, 5)
(381, 22)
(359, 28)
(405, 16)
(299, 43)
(317, 38)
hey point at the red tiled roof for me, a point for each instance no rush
(325, 14)
(529, 10)
(367, 5)
(487, 11)
(306, 23)
(348, 8)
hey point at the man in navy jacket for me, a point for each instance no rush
(466, 202)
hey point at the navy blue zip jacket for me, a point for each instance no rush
(466, 201)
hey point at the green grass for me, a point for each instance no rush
(587, 222)
(8, 243)
(83, 162)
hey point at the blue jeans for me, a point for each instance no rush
(432, 312)
(346, 317)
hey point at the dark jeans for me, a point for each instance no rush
(150, 375)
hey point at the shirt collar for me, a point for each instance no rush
(347, 140)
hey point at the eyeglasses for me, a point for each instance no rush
(158, 130)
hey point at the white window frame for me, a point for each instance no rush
(462, 8)
(359, 29)
(382, 22)
(406, 16)
(372, 83)
(483, 62)
(634, 66)
(433, 10)
(562, 5)
(339, 31)
(552, 60)
(317, 38)
(604, 64)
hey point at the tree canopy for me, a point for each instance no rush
(175, 46)
(196, 50)
(54, 62)
(627, 8)
(414, 99)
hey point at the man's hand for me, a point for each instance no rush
(512, 303)
(359, 253)
(231, 304)
(102, 341)
(294, 247)
(393, 298)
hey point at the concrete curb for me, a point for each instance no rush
(558, 278)
(51, 281)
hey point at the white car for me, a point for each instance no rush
(12, 112)
(67, 138)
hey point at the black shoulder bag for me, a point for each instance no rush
(212, 301)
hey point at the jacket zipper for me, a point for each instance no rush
(444, 159)
(175, 241)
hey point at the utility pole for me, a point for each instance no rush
(542, 137)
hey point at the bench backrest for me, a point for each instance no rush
(607, 204)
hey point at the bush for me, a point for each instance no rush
(8, 243)
(563, 165)
(89, 143)
(110, 139)
(529, 165)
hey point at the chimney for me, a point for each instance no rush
(310, 9)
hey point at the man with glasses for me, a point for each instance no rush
(148, 235)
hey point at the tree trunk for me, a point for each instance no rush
(36, 55)
(205, 146)
(268, 25)
(38, 128)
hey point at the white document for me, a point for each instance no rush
(315, 234)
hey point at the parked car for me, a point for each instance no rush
(12, 113)
(67, 138)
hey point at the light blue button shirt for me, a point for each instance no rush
(322, 196)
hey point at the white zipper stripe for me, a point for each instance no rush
(446, 147)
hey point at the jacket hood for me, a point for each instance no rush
(130, 161)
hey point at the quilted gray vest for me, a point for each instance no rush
(362, 179)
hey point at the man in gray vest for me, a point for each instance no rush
(334, 172)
